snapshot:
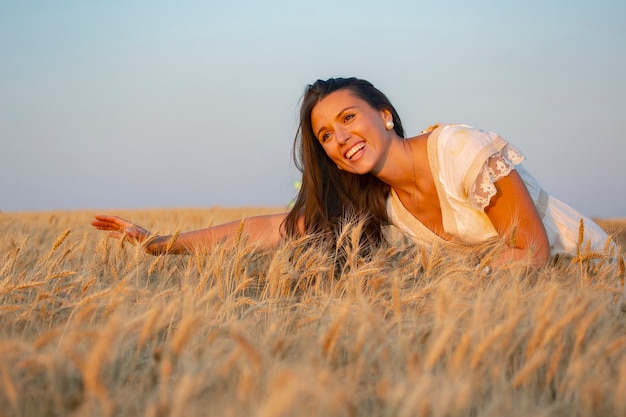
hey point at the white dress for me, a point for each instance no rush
(466, 162)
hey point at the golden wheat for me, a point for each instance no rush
(91, 327)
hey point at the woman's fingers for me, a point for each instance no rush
(120, 228)
(104, 225)
(116, 235)
(104, 222)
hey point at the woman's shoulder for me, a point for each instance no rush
(463, 141)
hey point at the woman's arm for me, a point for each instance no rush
(513, 213)
(261, 230)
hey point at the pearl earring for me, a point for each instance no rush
(389, 124)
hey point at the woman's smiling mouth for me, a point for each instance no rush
(354, 149)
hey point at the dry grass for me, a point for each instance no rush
(89, 327)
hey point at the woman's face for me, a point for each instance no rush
(351, 132)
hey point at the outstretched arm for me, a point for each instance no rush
(262, 230)
(513, 213)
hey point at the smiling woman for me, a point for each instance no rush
(348, 127)
(450, 185)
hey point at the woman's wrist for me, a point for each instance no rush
(155, 244)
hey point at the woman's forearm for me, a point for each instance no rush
(260, 230)
(534, 258)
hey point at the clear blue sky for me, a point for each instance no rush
(150, 104)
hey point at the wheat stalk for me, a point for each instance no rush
(251, 352)
(582, 326)
(183, 333)
(93, 366)
(543, 321)
(553, 366)
(60, 239)
(330, 338)
(532, 364)
(575, 311)
(439, 345)
(8, 387)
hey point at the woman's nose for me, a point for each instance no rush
(342, 135)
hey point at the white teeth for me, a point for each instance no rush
(355, 149)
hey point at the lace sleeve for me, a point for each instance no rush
(497, 166)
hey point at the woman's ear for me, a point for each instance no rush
(387, 119)
(386, 115)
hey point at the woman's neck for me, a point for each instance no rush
(405, 163)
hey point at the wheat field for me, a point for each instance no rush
(93, 327)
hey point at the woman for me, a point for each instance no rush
(451, 184)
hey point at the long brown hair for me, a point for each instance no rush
(328, 195)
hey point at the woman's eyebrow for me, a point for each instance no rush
(337, 116)
(344, 110)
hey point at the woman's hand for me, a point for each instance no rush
(121, 229)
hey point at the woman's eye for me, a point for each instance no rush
(325, 136)
(348, 117)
